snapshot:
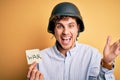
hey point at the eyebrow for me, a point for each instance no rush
(62, 24)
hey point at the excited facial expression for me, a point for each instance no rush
(65, 32)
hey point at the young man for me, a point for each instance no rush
(68, 59)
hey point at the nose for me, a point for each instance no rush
(65, 30)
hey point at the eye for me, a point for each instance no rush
(71, 25)
(59, 26)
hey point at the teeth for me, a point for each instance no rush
(66, 38)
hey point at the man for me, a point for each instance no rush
(68, 59)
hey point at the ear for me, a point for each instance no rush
(78, 26)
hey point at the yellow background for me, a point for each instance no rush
(23, 25)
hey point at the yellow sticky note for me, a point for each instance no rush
(33, 55)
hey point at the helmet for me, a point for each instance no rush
(65, 9)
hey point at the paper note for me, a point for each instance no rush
(33, 55)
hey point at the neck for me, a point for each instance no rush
(61, 49)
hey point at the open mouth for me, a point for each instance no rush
(66, 40)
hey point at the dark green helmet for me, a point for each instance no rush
(65, 9)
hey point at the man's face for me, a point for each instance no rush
(66, 31)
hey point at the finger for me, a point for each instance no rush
(41, 77)
(117, 43)
(33, 74)
(108, 40)
(38, 74)
(32, 66)
(117, 47)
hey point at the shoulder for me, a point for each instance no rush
(86, 46)
(88, 49)
(46, 50)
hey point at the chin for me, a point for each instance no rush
(66, 47)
